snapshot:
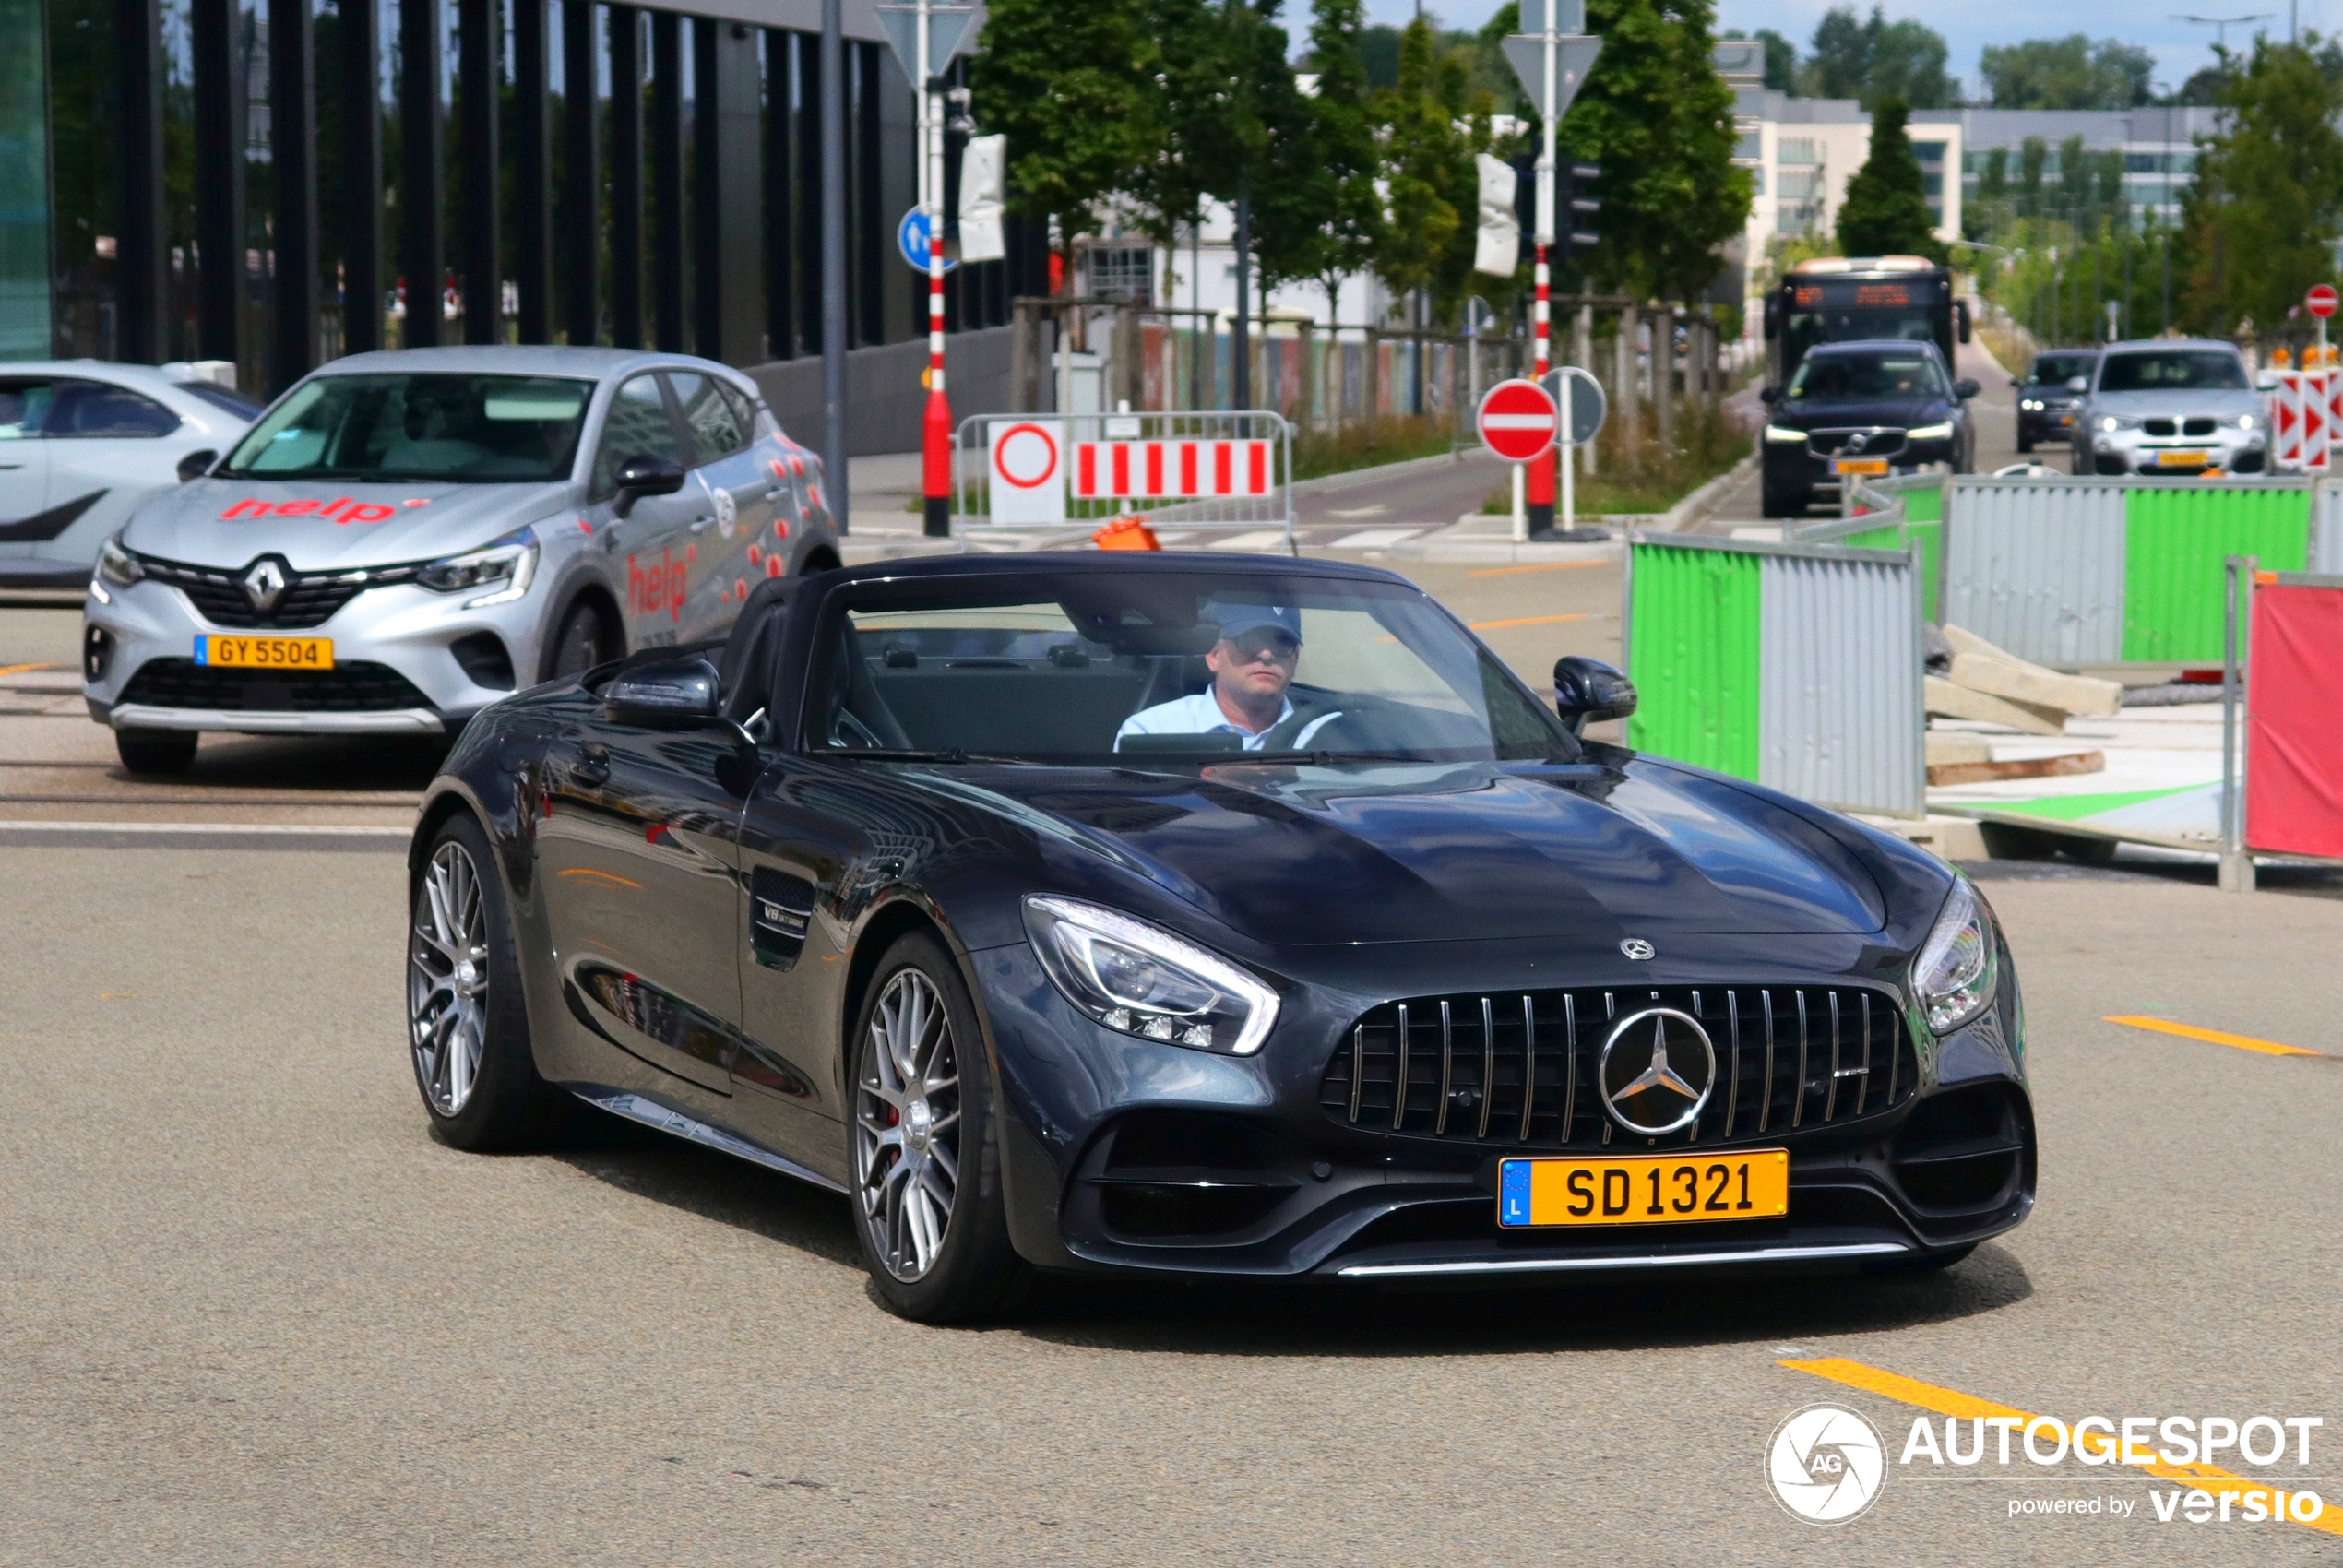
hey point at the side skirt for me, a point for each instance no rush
(651, 1113)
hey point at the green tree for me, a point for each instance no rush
(1885, 212)
(1074, 90)
(2033, 155)
(2074, 177)
(1869, 60)
(2262, 218)
(1344, 158)
(1781, 60)
(2068, 73)
(1657, 118)
(1421, 153)
(1379, 47)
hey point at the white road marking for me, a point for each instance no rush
(1373, 538)
(1260, 539)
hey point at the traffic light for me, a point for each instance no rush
(1574, 205)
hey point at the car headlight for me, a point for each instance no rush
(1783, 432)
(1139, 979)
(1930, 432)
(2110, 425)
(506, 565)
(2030, 405)
(117, 565)
(2247, 421)
(1953, 975)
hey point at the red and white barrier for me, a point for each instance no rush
(2305, 407)
(2293, 690)
(1158, 469)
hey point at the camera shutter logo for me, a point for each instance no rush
(1825, 1465)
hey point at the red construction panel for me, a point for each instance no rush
(1086, 469)
(1155, 468)
(2293, 744)
(1256, 472)
(1121, 450)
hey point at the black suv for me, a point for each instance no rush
(1859, 409)
(2045, 402)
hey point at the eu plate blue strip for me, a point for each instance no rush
(1513, 1192)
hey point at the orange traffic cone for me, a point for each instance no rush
(1126, 533)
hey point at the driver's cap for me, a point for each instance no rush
(1238, 619)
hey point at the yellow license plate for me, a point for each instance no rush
(1861, 465)
(266, 653)
(2182, 459)
(1643, 1189)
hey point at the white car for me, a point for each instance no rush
(84, 444)
(404, 537)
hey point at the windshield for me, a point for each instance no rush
(477, 429)
(1144, 669)
(2056, 370)
(1867, 376)
(2174, 370)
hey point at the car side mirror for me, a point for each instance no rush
(1966, 388)
(1769, 394)
(2078, 384)
(1588, 689)
(1960, 319)
(195, 465)
(639, 475)
(675, 694)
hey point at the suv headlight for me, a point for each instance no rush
(2247, 421)
(117, 565)
(1930, 432)
(1139, 979)
(2111, 423)
(1953, 975)
(1783, 432)
(506, 565)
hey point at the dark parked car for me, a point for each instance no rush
(2046, 400)
(1206, 917)
(1862, 410)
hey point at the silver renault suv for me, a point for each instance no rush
(2174, 405)
(403, 538)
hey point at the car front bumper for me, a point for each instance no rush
(1789, 469)
(2125, 452)
(397, 669)
(1149, 1158)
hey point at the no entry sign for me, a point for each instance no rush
(1027, 472)
(2320, 300)
(1517, 420)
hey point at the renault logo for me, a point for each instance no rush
(1656, 1071)
(264, 583)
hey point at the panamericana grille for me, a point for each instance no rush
(1519, 1067)
(1877, 443)
(309, 599)
(2196, 426)
(354, 687)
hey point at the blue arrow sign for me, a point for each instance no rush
(910, 238)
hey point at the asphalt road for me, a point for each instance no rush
(254, 1313)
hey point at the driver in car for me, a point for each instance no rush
(1252, 665)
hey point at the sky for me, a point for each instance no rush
(2179, 47)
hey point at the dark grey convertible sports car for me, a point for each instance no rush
(1234, 917)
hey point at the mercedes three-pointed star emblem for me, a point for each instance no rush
(1662, 1097)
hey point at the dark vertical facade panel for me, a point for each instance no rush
(870, 221)
(581, 174)
(419, 257)
(218, 106)
(532, 173)
(626, 177)
(902, 293)
(737, 273)
(809, 192)
(708, 155)
(667, 181)
(293, 141)
(480, 36)
(360, 73)
(142, 261)
(781, 313)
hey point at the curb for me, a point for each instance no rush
(202, 835)
(1692, 507)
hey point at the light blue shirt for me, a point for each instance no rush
(1201, 715)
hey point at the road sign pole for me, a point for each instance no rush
(1520, 517)
(1569, 499)
(1542, 478)
(935, 429)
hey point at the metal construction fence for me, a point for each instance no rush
(2087, 571)
(1795, 666)
(1177, 470)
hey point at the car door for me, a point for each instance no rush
(24, 462)
(107, 454)
(733, 542)
(651, 545)
(637, 857)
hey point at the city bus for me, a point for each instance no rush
(1844, 299)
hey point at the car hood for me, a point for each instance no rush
(1900, 414)
(1463, 852)
(227, 523)
(2221, 404)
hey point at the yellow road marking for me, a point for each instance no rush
(1968, 1406)
(28, 669)
(2190, 1031)
(1524, 621)
(1541, 566)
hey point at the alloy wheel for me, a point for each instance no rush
(578, 648)
(907, 1125)
(447, 979)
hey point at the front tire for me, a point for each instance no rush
(583, 641)
(467, 1022)
(156, 750)
(928, 1201)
